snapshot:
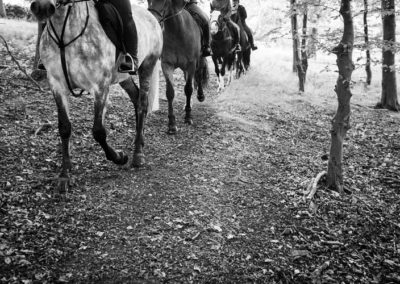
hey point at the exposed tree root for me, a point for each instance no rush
(312, 187)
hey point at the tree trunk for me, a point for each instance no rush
(302, 64)
(389, 86)
(3, 13)
(37, 55)
(38, 74)
(341, 121)
(314, 17)
(366, 39)
(295, 38)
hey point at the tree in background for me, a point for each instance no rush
(302, 60)
(389, 86)
(3, 13)
(341, 121)
(367, 47)
(295, 38)
(37, 55)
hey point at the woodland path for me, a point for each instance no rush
(219, 202)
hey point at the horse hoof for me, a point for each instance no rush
(189, 121)
(172, 130)
(123, 159)
(201, 98)
(138, 160)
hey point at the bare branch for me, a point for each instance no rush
(19, 66)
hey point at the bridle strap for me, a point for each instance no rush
(59, 40)
(162, 17)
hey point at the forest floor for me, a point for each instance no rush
(222, 201)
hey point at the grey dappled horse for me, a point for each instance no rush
(75, 42)
(182, 49)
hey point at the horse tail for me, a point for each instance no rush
(202, 75)
(154, 92)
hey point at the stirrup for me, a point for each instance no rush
(132, 71)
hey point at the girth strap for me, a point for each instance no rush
(59, 40)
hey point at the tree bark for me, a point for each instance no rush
(3, 13)
(341, 121)
(295, 38)
(37, 55)
(366, 39)
(389, 87)
(302, 64)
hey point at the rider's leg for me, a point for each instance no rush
(205, 24)
(250, 36)
(130, 62)
(236, 33)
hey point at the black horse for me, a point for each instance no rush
(181, 49)
(223, 49)
(244, 56)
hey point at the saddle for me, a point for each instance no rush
(112, 24)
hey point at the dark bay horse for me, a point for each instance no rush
(244, 43)
(225, 7)
(223, 49)
(182, 49)
(75, 41)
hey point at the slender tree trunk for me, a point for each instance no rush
(3, 13)
(37, 55)
(302, 64)
(295, 38)
(314, 20)
(389, 86)
(366, 38)
(341, 121)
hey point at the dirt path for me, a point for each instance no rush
(220, 202)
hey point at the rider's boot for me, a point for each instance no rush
(130, 62)
(251, 40)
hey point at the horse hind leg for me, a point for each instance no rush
(170, 94)
(201, 78)
(99, 131)
(188, 93)
(133, 92)
(217, 72)
(141, 108)
(64, 128)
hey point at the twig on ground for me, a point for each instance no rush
(314, 185)
(23, 85)
(395, 224)
(43, 127)
(332, 243)
(363, 201)
(318, 271)
(19, 66)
